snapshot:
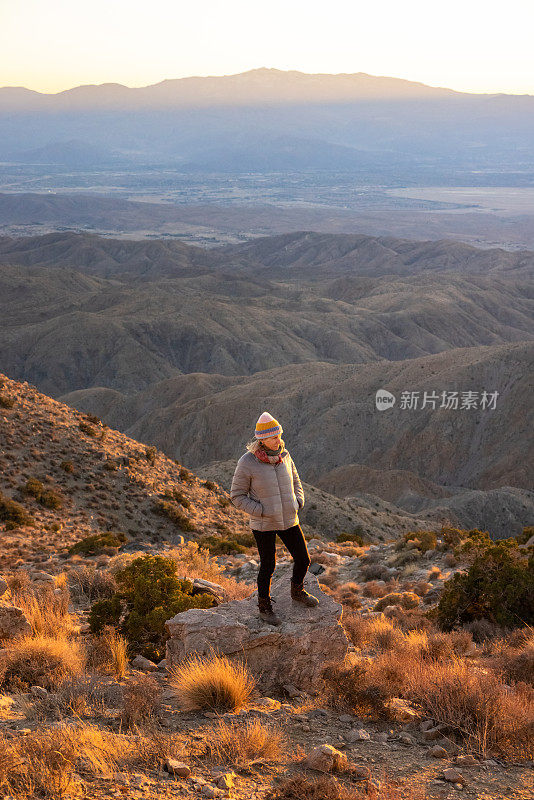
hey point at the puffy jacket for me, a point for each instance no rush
(271, 494)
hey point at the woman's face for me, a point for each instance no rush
(273, 442)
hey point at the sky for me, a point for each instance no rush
(466, 45)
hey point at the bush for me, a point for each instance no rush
(67, 466)
(149, 594)
(356, 536)
(13, 514)
(174, 494)
(186, 475)
(499, 587)
(211, 682)
(141, 699)
(236, 543)
(6, 402)
(96, 544)
(211, 486)
(49, 498)
(405, 599)
(173, 513)
(88, 429)
(425, 540)
(241, 744)
(150, 455)
(42, 661)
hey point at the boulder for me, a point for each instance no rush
(326, 758)
(294, 652)
(13, 623)
(144, 664)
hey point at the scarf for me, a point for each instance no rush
(269, 456)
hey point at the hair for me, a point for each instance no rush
(253, 444)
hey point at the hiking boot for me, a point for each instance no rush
(266, 611)
(301, 596)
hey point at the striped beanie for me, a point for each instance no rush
(267, 426)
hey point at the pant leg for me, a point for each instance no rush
(294, 540)
(266, 541)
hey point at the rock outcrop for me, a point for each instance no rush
(294, 652)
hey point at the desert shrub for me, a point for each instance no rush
(42, 661)
(47, 497)
(13, 514)
(517, 663)
(87, 429)
(186, 475)
(355, 536)
(6, 402)
(150, 455)
(407, 600)
(352, 688)
(375, 589)
(347, 595)
(241, 744)
(425, 540)
(141, 699)
(167, 509)
(374, 572)
(109, 653)
(211, 486)
(91, 583)
(525, 535)
(476, 705)
(67, 466)
(237, 542)
(498, 586)
(96, 544)
(149, 594)
(211, 682)
(175, 494)
(328, 787)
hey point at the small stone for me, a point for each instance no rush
(268, 702)
(432, 734)
(43, 577)
(405, 738)
(225, 781)
(13, 623)
(426, 724)
(144, 664)
(401, 710)
(211, 791)
(438, 752)
(453, 775)
(346, 718)
(162, 665)
(39, 692)
(466, 761)
(381, 737)
(357, 735)
(326, 758)
(177, 768)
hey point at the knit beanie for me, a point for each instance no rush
(267, 426)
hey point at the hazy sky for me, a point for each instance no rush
(468, 45)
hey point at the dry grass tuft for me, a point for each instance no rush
(42, 661)
(46, 611)
(40, 765)
(212, 682)
(109, 653)
(233, 743)
(377, 633)
(141, 700)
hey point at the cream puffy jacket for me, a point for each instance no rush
(271, 494)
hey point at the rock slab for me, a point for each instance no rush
(295, 652)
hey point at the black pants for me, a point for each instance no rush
(294, 540)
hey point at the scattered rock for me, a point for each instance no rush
(43, 577)
(226, 780)
(401, 710)
(177, 768)
(13, 623)
(326, 758)
(438, 752)
(357, 735)
(144, 664)
(3, 586)
(466, 761)
(39, 692)
(406, 738)
(453, 775)
(431, 734)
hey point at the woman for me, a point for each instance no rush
(266, 486)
